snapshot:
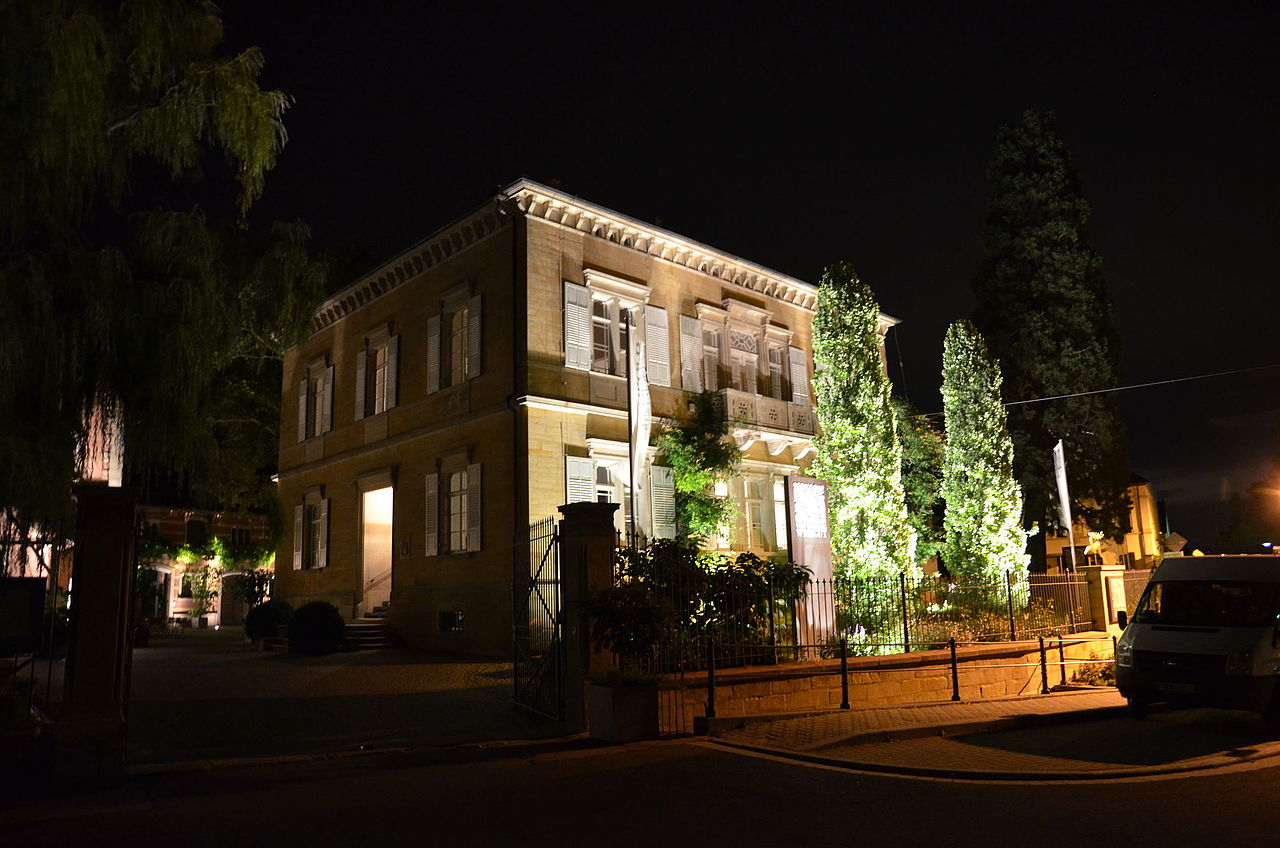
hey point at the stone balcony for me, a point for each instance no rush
(778, 423)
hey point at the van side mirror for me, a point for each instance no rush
(1122, 618)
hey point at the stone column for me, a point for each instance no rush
(89, 736)
(1106, 593)
(587, 542)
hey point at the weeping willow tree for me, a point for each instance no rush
(110, 298)
(857, 450)
(983, 519)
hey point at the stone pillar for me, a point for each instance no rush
(587, 542)
(1106, 593)
(89, 736)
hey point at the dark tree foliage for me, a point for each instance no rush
(116, 294)
(1255, 518)
(922, 448)
(1044, 311)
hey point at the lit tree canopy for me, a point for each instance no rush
(857, 450)
(984, 535)
(922, 448)
(108, 298)
(1044, 311)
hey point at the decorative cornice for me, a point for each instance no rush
(548, 204)
(444, 244)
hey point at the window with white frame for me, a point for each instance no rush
(599, 319)
(315, 400)
(453, 508)
(757, 528)
(377, 365)
(710, 358)
(776, 388)
(453, 341)
(780, 513)
(605, 333)
(458, 511)
(311, 532)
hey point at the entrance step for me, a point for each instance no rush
(366, 634)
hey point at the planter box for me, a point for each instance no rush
(623, 713)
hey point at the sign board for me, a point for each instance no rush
(809, 544)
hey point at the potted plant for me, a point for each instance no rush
(627, 619)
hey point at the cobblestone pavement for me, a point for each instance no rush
(1069, 735)
(209, 695)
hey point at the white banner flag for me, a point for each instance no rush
(641, 408)
(1064, 498)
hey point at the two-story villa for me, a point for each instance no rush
(479, 380)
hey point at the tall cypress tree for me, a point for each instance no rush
(857, 450)
(1044, 310)
(983, 520)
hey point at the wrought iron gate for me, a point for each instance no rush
(539, 649)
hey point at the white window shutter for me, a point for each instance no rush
(393, 368)
(577, 326)
(799, 375)
(302, 410)
(432, 545)
(433, 354)
(474, 347)
(322, 549)
(579, 479)
(326, 405)
(299, 525)
(473, 507)
(361, 357)
(662, 494)
(690, 354)
(657, 346)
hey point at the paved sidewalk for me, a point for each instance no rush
(1039, 737)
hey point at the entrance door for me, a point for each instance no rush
(376, 546)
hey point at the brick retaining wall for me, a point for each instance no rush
(874, 681)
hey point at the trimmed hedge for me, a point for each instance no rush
(261, 621)
(316, 628)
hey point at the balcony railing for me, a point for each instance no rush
(760, 411)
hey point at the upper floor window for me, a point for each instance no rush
(601, 322)
(776, 387)
(454, 342)
(377, 365)
(315, 400)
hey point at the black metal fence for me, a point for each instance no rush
(537, 639)
(753, 612)
(1135, 583)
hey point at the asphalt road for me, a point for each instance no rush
(665, 793)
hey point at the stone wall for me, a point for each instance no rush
(985, 671)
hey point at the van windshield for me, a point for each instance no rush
(1208, 603)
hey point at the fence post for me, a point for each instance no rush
(955, 672)
(1008, 587)
(711, 678)
(1062, 660)
(844, 673)
(1044, 670)
(906, 628)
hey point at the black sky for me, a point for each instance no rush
(795, 135)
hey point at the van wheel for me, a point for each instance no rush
(1137, 709)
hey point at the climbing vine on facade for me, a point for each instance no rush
(701, 454)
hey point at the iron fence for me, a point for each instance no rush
(1135, 583)
(757, 612)
(538, 647)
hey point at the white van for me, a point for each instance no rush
(1207, 633)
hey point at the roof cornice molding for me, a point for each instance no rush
(441, 245)
(548, 204)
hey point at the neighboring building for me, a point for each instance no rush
(1142, 547)
(478, 381)
(173, 598)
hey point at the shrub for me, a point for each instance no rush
(261, 621)
(316, 628)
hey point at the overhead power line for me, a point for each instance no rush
(1145, 385)
(1134, 386)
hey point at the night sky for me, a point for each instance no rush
(798, 135)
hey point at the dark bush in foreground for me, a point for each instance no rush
(316, 628)
(261, 621)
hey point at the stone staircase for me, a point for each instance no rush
(369, 632)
